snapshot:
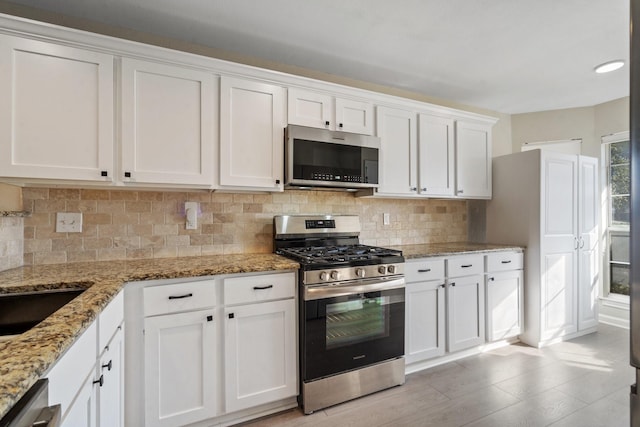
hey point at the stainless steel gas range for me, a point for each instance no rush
(351, 309)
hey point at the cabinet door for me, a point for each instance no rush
(465, 312)
(588, 203)
(168, 124)
(180, 362)
(425, 321)
(251, 134)
(473, 160)
(504, 305)
(260, 354)
(436, 156)
(56, 111)
(354, 116)
(559, 229)
(306, 108)
(82, 411)
(398, 151)
(111, 392)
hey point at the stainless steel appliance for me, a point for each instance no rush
(331, 159)
(33, 410)
(352, 302)
(635, 208)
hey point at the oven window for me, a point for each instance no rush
(351, 331)
(355, 321)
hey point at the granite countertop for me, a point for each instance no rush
(456, 248)
(27, 357)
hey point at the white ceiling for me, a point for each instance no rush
(511, 56)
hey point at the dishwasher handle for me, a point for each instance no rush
(48, 417)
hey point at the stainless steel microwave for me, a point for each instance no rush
(330, 159)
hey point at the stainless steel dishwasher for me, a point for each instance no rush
(33, 409)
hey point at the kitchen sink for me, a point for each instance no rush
(21, 312)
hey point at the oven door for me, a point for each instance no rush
(353, 329)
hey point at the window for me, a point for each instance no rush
(617, 156)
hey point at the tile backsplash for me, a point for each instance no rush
(11, 242)
(120, 224)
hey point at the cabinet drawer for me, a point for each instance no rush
(465, 265)
(502, 261)
(240, 290)
(109, 320)
(179, 297)
(424, 270)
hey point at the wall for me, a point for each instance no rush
(150, 224)
(554, 125)
(11, 242)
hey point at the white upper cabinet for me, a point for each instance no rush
(396, 129)
(473, 160)
(435, 155)
(252, 123)
(169, 116)
(322, 110)
(56, 111)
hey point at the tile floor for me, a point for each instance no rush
(579, 383)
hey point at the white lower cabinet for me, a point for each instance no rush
(260, 364)
(180, 354)
(210, 350)
(465, 312)
(504, 294)
(504, 305)
(425, 325)
(88, 381)
(475, 298)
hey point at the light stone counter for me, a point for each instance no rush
(27, 357)
(457, 248)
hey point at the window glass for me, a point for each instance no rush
(618, 189)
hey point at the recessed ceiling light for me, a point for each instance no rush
(609, 66)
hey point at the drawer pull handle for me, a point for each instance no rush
(424, 270)
(466, 266)
(261, 288)
(100, 381)
(506, 261)
(180, 296)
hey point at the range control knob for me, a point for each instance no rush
(335, 275)
(324, 276)
(392, 269)
(382, 269)
(360, 272)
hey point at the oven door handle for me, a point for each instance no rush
(315, 292)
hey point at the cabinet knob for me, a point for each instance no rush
(413, 189)
(108, 366)
(127, 174)
(231, 315)
(104, 173)
(460, 191)
(423, 189)
(277, 182)
(340, 125)
(99, 380)
(327, 123)
(492, 278)
(209, 318)
(442, 286)
(452, 283)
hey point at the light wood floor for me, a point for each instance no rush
(582, 383)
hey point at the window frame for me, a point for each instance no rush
(618, 299)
